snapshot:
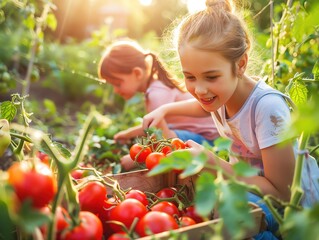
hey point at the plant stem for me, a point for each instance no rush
(296, 188)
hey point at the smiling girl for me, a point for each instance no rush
(130, 70)
(213, 46)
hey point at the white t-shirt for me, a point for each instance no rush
(271, 117)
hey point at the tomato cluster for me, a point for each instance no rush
(142, 214)
(151, 154)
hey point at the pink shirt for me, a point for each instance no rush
(158, 94)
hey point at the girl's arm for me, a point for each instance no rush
(279, 163)
(190, 108)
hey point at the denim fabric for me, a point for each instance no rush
(272, 225)
(187, 135)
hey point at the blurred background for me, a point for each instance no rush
(49, 51)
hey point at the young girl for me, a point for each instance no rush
(130, 69)
(213, 47)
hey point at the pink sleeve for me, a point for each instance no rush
(158, 96)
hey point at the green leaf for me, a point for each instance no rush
(8, 110)
(315, 71)
(29, 218)
(50, 106)
(176, 160)
(51, 21)
(195, 166)
(242, 168)
(233, 199)
(298, 92)
(302, 224)
(205, 197)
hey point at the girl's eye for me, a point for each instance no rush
(189, 77)
(211, 77)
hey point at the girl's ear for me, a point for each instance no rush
(138, 72)
(242, 64)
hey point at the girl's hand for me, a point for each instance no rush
(154, 118)
(121, 137)
(194, 147)
(127, 163)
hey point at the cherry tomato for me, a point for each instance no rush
(125, 212)
(177, 144)
(166, 150)
(185, 221)
(43, 157)
(139, 153)
(190, 212)
(166, 192)
(36, 183)
(77, 173)
(62, 220)
(166, 207)
(153, 159)
(138, 195)
(104, 216)
(119, 236)
(90, 227)
(155, 222)
(92, 197)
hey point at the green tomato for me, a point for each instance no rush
(5, 137)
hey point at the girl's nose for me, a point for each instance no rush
(200, 90)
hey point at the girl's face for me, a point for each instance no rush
(208, 77)
(125, 85)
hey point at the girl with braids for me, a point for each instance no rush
(130, 69)
(213, 46)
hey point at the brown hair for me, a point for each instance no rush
(215, 29)
(124, 55)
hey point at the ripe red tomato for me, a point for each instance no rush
(92, 197)
(153, 159)
(104, 216)
(138, 195)
(185, 221)
(190, 212)
(177, 144)
(166, 192)
(36, 183)
(119, 236)
(155, 222)
(166, 207)
(62, 220)
(90, 227)
(43, 157)
(125, 212)
(139, 152)
(166, 150)
(77, 173)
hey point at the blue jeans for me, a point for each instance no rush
(187, 135)
(272, 225)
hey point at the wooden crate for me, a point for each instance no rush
(139, 180)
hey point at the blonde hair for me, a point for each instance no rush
(124, 55)
(215, 29)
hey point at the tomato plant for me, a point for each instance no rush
(153, 159)
(125, 212)
(36, 182)
(62, 220)
(89, 227)
(155, 222)
(139, 152)
(92, 197)
(138, 195)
